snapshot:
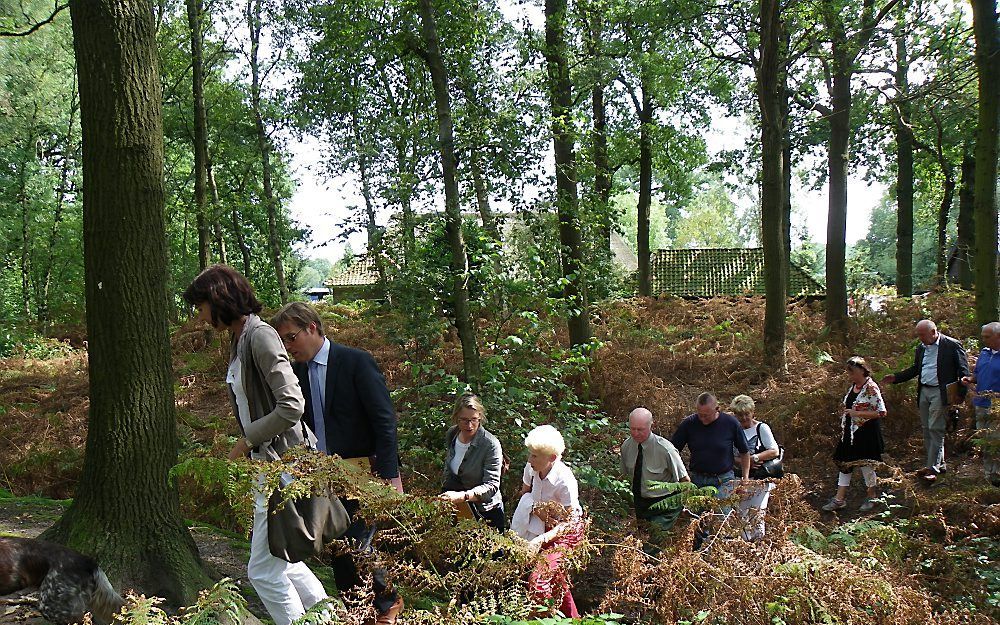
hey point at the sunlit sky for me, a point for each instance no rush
(324, 205)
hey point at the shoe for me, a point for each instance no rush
(925, 472)
(834, 504)
(389, 616)
(930, 478)
(867, 506)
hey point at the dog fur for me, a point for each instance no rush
(69, 583)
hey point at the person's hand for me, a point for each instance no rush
(851, 412)
(889, 379)
(452, 495)
(535, 544)
(967, 381)
(239, 450)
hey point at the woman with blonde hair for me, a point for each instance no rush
(549, 515)
(473, 463)
(763, 447)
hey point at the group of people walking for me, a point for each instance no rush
(340, 394)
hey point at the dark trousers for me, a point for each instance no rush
(494, 517)
(345, 571)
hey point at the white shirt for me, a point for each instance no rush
(460, 449)
(234, 377)
(928, 366)
(559, 486)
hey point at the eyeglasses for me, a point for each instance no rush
(469, 421)
(288, 339)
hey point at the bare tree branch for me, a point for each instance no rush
(56, 10)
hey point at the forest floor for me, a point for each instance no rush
(934, 550)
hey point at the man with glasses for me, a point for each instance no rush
(350, 411)
(985, 381)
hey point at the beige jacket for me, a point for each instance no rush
(660, 462)
(272, 391)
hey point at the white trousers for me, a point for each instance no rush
(287, 590)
(867, 472)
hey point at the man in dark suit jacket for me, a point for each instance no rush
(939, 361)
(349, 409)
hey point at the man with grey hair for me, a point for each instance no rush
(985, 381)
(939, 360)
(646, 457)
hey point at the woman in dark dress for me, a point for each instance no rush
(861, 443)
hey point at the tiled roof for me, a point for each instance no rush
(708, 272)
(362, 272)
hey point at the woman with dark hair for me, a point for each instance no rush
(268, 405)
(473, 463)
(861, 443)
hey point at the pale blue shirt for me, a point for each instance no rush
(317, 388)
(928, 368)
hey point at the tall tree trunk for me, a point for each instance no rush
(947, 198)
(220, 237)
(965, 253)
(770, 96)
(241, 241)
(453, 213)
(645, 114)
(264, 145)
(567, 198)
(483, 195)
(194, 12)
(375, 251)
(836, 227)
(64, 171)
(125, 511)
(984, 21)
(599, 132)
(904, 161)
(26, 243)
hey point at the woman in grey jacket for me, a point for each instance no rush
(268, 405)
(473, 463)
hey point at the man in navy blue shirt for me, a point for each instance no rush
(712, 435)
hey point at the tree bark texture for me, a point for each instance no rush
(984, 21)
(836, 227)
(645, 186)
(567, 198)
(125, 511)
(599, 133)
(904, 162)
(264, 145)
(194, 12)
(965, 254)
(944, 211)
(453, 213)
(770, 98)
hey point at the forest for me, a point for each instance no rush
(520, 194)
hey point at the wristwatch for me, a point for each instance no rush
(755, 458)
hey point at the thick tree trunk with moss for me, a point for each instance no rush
(770, 97)
(453, 213)
(567, 196)
(125, 511)
(984, 20)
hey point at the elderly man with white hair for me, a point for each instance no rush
(985, 381)
(939, 361)
(647, 457)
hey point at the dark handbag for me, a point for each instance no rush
(299, 528)
(770, 469)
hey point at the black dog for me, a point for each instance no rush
(69, 583)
